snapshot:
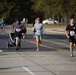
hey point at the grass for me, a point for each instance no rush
(54, 26)
(29, 26)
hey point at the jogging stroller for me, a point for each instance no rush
(12, 40)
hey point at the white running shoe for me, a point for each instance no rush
(37, 49)
(1, 51)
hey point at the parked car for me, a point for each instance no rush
(50, 21)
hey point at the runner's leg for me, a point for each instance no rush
(71, 49)
(17, 42)
(75, 43)
(23, 36)
(37, 42)
(2, 30)
(40, 39)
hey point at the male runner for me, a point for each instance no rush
(17, 28)
(71, 35)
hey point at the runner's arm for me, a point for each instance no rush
(42, 29)
(67, 34)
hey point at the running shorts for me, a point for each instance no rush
(40, 36)
(72, 40)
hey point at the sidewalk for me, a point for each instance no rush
(56, 29)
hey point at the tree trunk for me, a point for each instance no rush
(58, 19)
(53, 18)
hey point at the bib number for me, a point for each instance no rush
(72, 33)
(18, 30)
(38, 31)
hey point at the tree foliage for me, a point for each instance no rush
(63, 8)
(30, 8)
(12, 9)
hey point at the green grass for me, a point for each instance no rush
(53, 26)
(29, 26)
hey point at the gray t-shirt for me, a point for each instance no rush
(17, 27)
(38, 28)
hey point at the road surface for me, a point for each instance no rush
(52, 59)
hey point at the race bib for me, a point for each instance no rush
(38, 31)
(72, 33)
(18, 30)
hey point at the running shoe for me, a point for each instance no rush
(71, 54)
(37, 49)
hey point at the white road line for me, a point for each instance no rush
(26, 69)
(1, 51)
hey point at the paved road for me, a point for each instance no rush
(53, 58)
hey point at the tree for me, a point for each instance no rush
(63, 8)
(15, 9)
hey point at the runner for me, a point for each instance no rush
(14, 25)
(23, 22)
(2, 25)
(33, 27)
(71, 35)
(17, 28)
(38, 27)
